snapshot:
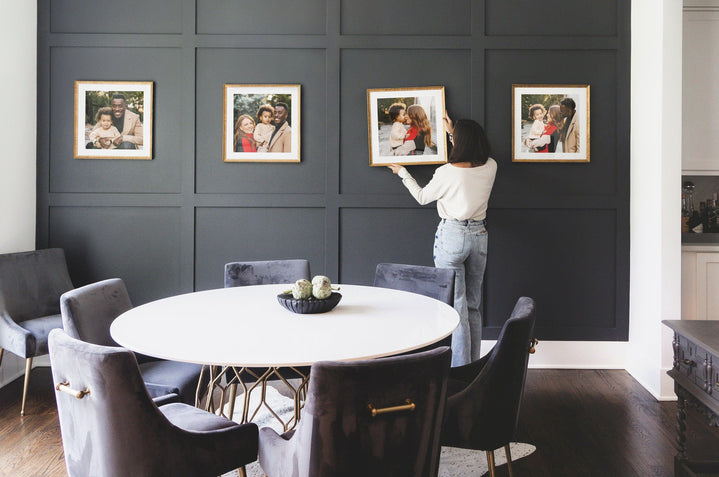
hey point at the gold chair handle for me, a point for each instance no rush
(65, 387)
(532, 343)
(386, 410)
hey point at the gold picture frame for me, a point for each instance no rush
(550, 123)
(386, 146)
(246, 134)
(113, 119)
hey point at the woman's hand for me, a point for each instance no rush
(448, 125)
(395, 168)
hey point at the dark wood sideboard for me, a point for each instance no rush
(695, 371)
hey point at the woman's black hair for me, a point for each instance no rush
(470, 143)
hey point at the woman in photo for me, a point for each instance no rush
(244, 129)
(461, 188)
(419, 134)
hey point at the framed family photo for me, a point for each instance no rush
(550, 123)
(261, 123)
(113, 120)
(405, 126)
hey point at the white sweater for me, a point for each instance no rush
(461, 193)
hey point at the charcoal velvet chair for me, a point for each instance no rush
(371, 417)
(87, 313)
(30, 287)
(111, 428)
(238, 274)
(484, 396)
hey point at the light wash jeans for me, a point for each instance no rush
(462, 246)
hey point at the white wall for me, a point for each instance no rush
(18, 35)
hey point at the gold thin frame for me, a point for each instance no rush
(114, 86)
(372, 122)
(294, 156)
(517, 124)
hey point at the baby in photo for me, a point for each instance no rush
(397, 113)
(536, 114)
(104, 133)
(265, 128)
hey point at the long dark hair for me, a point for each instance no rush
(470, 143)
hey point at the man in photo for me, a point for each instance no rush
(569, 137)
(125, 121)
(281, 140)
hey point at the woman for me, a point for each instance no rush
(244, 127)
(461, 189)
(549, 139)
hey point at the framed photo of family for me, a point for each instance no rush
(405, 126)
(261, 123)
(550, 123)
(113, 120)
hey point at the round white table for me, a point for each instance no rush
(244, 327)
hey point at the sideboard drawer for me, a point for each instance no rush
(689, 362)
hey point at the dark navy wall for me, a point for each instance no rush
(558, 232)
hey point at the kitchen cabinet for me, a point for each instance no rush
(700, 282)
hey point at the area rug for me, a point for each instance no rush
(453, 461)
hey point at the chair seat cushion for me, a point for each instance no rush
(40, 329)
(165, 377)
(193, 419)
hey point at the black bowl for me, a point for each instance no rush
(311, 305)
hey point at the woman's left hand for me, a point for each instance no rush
(395, 168)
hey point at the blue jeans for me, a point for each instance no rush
(462, 246)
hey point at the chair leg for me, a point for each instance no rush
(490, 463)
(1, 352)
(28, 367)
(508, 453)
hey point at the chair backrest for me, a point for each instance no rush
(337, 434)
(88, 311)
(238, 274)
(114, 429)
(437, 283)
(31, 283)
(491, 402)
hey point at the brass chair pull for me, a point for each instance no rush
(689, 362)
(532, 343)
(65, 387)
(386, 410)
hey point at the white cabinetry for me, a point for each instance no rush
(700, 97)
(700, 282)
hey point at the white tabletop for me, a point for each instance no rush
(246, 326)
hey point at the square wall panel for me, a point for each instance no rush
(230, 234)
(566, 260)
(360, 72)
(269, 17)
(220, 66)
(551, 18)
(162, 66)
(405, 17)
(138, 244)
(373, 235)
(106, 16)
(550, 67)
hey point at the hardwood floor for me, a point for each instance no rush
(583, 422)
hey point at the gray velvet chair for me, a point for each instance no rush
(338, 433)
(87, 313)
(30, 287)
(111, 428)
(238, 274)
(437, 283)
(484, 396)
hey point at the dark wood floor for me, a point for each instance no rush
(583, 422)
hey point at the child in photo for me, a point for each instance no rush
(264, 128)
(104, 133)
(398, 132)
(536, 114)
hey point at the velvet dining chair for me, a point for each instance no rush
(30, 287)
(265, 272)
(378, 417)
(484, 396)
(87, 313)
(110, 426)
